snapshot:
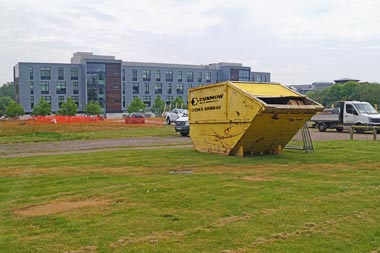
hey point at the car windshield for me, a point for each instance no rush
(365, 108)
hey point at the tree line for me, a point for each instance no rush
(10, 108)
(369, 92)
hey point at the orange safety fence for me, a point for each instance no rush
(65, 119)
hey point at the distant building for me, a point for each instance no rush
(114, 83)
(345, 80)
(303, 89)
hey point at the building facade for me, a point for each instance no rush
(114, 83)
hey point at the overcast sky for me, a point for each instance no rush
(297, 41)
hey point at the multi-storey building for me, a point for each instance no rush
(114, 83)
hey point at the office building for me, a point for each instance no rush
(114, 83)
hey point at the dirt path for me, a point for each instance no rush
(73, 147)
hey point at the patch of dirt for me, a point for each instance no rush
(306, 230)
(152, 238)
(257, 179)
(26, 149)
(84, 249)
(224, 221)
(59, 207)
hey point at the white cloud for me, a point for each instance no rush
(291, 39)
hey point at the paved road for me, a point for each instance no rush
(70, 147)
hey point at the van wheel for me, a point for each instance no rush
(168, 121)
(339, 129)
(184, 133)
(322, 127)
(359, 130)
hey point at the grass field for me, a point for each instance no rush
(179, 200)
(27, 131)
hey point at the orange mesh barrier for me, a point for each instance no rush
(66, 119)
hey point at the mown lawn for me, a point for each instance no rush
(179, 200)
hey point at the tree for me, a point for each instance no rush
(4, 102)
(158, 105)
(69, 108)
(136, 105)
(93, 108)
(347, 91)
(7, 90)
(43, 108)
(178, 103)
(14, 110)
(350, 91)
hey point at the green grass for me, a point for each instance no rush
(66, 132)
(296, 202)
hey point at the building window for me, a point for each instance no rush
(244, 75)
(179, 76)
(179, 88)
(61, 87)
(258, 78)
(123, 75)
(199, 77)
(75, 100)
(190, 85)
(134, 75)
(31, 87)
(61, 73)
(146, 75)
(169, 76)
(74, 73)
(190, 76)
(158, 88)
(45, 73)
(31, 102)
(61, 99)
(147, 100)
(75, 88)
(123, 99)
(31, 76)
(123, 87)
(208, 77)
(135, 88)
(158, 76)
(47, 99)
(199, 85)
(169, 91)
(169, 99)
(44, 87)
(146, 88)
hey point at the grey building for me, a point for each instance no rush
(304, 89)
(114, 83)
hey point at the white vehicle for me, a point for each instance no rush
(174, 115)
(349, 113)
(182, 125)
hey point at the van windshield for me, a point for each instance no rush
(365, 108)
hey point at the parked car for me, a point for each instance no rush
(136, 115)
(174, 115)
(135, 118)
(182, 125)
